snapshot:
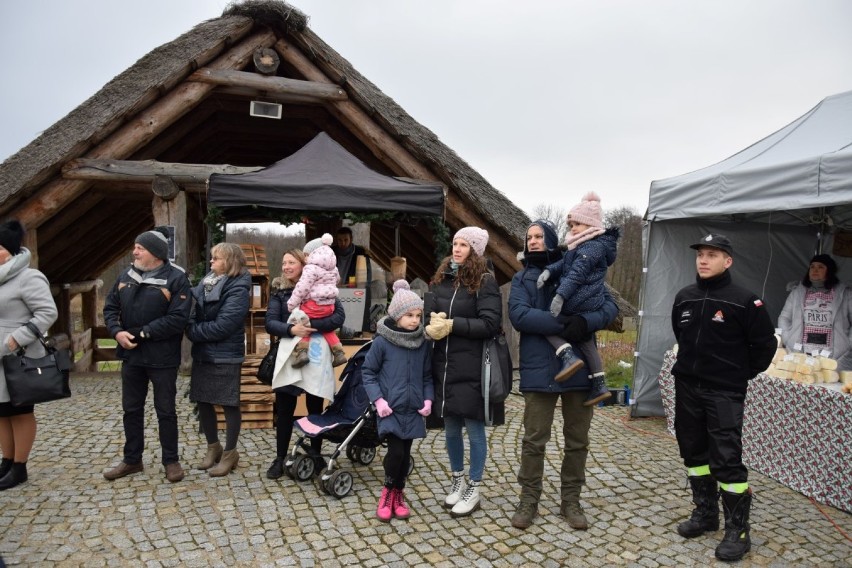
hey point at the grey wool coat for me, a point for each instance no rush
(24, 297)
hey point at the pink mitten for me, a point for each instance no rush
(427, 408)
(382, 407)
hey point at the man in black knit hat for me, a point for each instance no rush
(146, 312)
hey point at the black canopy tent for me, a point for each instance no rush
(321, 176)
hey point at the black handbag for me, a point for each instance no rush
(32, 380)
(267, 364)
(496, 373)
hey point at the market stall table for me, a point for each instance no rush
(800, 435)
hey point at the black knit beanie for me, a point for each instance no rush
(11, 235)
(155, 242)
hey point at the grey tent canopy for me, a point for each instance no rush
(780, 200)
(322, 176)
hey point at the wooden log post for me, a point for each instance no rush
(172, 213)
(90, 320)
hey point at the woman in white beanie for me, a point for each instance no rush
(464, 310)
(24, 298)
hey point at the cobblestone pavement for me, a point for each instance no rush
(69, 515)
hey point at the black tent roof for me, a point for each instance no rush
(322, 176)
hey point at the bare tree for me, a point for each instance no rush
(554, 214)
(625, 275)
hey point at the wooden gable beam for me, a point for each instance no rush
(259, 84)
(138, 132)
(395, 156)
(146, 170)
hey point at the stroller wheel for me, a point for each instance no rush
(352, 452)
(339, 484)
(366, 455)
(303, 468)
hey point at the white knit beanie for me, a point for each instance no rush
(477, 238)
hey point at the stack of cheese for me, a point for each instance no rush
(802, 368)
(846, 377)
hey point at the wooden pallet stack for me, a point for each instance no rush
(256, 398)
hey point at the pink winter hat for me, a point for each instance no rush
(404, 300)
(477, 238)
(588, 211)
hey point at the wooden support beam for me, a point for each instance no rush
(147, 170)
(320, 91)
(137, 132)
(394, 155)
(173, 213)
(75, 288)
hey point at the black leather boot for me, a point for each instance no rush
(15, 476)
(736, 542)
(705, 516)
(5, 466)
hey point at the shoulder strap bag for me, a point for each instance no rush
(32, 380)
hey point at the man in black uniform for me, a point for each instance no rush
(725, 338)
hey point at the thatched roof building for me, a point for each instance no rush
(84, 187)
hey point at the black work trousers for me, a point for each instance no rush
(709, 429)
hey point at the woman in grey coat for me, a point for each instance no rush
(24, 298)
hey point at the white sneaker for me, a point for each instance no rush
(469, 501)
(456, 490)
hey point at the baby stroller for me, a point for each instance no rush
(350, 422)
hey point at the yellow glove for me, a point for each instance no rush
(439, 327)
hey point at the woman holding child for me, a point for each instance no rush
(277, 314)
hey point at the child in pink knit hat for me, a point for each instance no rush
(581, 273)
(397, 377)
(314, 296)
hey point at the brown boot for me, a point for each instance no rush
(174, 472)
(339, 356)
(123, 469)
(226, 464)
(211, 458)
(300, 355)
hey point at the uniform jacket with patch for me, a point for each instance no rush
(725, 336)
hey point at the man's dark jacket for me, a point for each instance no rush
(725, 336)
(156, 305)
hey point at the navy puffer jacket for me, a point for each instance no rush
(529, 312)
(217, 324)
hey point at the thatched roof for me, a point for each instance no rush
(82, 226)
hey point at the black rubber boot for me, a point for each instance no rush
(736, 542)
(705, 516)
(15, 476)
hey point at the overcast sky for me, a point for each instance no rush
(545, 99)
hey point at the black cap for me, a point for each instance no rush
(714, 240)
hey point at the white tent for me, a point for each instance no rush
(779, 201)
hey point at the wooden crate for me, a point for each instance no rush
(259, 270)
(256, 398)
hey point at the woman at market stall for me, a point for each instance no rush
(292, 263)
(217, 331)
(25, 298)
(465, 309)
(818, 313)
